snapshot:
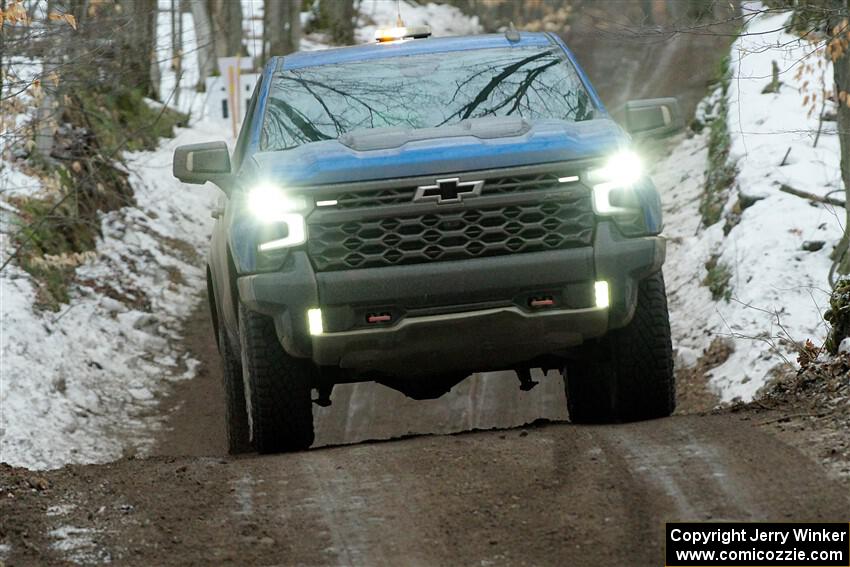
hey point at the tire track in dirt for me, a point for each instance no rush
(545, 495)
(549, 494)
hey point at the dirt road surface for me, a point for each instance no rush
(549, 493)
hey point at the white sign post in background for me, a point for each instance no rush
(225, 99)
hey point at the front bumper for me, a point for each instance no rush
(486, 339)
(449, 316)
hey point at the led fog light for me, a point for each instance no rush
(314, 321)
(601, 291)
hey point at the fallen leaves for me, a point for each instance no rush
(14, 13)
(808, 354)
(68, 18)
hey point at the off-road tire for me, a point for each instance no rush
(236, 412)
(278, 386)
(628, 374)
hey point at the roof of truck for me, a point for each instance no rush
(408, 47)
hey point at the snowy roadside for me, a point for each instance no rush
(82, 385)
(777, 289)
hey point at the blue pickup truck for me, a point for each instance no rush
(416, 210)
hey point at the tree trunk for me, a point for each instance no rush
(48, 109)
(841, 75)
(153, 58)
(226, 18)
(2, 45)
(648, 16)
(275, 22)
(294, 27)
(674, 11)
(204, 40)
(338, 16)
(176, 46)
(282, 26)
(138, 45)
(699, 9)
(842, 83)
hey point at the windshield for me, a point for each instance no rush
(421, 91)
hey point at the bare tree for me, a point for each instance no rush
(153, 60)
(204, 39)
(837, 28)
(294, 27)
(338, 17)
(825, 22)
(138, 40)
(177, 45)
(275, 16)
(282, 27)
(226, 18)
(2, 45)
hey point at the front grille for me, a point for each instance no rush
(453, 235)
(521, 183)
(375, 198)
(403, 195)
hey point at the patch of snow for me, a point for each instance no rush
(778, 290)
(79, 545)
(81, 385)
(706, 110)
(15, 183)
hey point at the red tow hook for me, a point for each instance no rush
(378, 318)
(537, 302)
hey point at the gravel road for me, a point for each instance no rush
(549, 493)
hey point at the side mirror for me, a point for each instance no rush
(654, 117)
(199, 163)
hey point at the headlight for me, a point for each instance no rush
(295, 233)
(283, 213)
(613, 183)
(269, 204)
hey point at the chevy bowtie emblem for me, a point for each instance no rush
(448, 191)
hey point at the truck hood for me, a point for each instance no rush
(386, 153)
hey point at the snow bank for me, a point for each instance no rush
(80, 385)
(778, 290)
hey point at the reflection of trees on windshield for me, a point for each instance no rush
(520, 92)
(323, 102)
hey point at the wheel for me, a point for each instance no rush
(629, 375)
(278, 387)
(236, 412)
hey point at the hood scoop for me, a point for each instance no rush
(368, 139)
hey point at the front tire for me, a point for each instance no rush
(278, 387)
(628, 376)
(236, 412)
